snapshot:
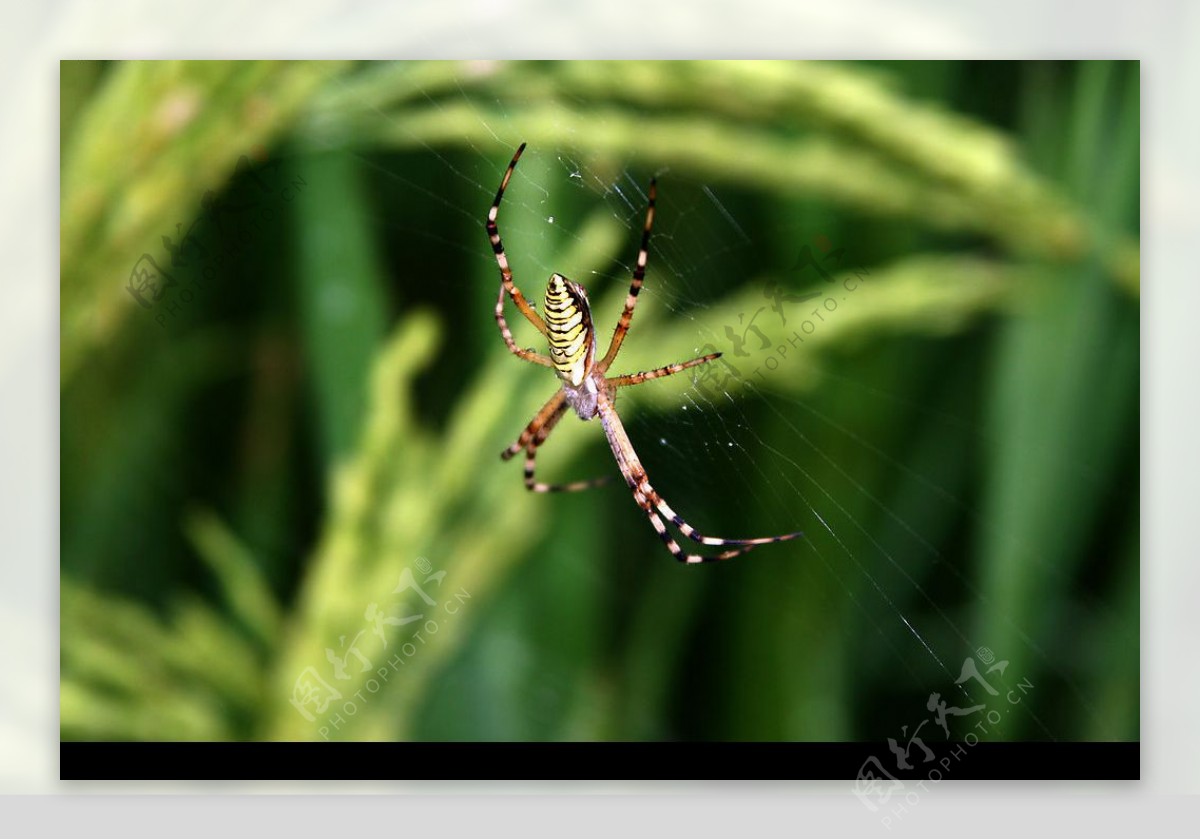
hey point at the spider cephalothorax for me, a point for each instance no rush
(585, 387)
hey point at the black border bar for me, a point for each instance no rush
(691, 760)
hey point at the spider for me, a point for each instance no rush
(568, 329)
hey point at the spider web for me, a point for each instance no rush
(711, 453)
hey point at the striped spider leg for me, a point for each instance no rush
(586, 389)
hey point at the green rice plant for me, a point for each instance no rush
(246, 486)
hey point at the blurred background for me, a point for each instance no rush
(283, 396)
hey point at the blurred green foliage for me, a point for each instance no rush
(314, 406)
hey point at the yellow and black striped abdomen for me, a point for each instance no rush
(569, 329)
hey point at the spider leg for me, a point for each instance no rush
(535, 435)
(692, 534)
(639, 273)
(639, 378)
(554, 407)
(660, 503)
(651, 503)
(506, 334)
(539, 487)
(506, 276)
